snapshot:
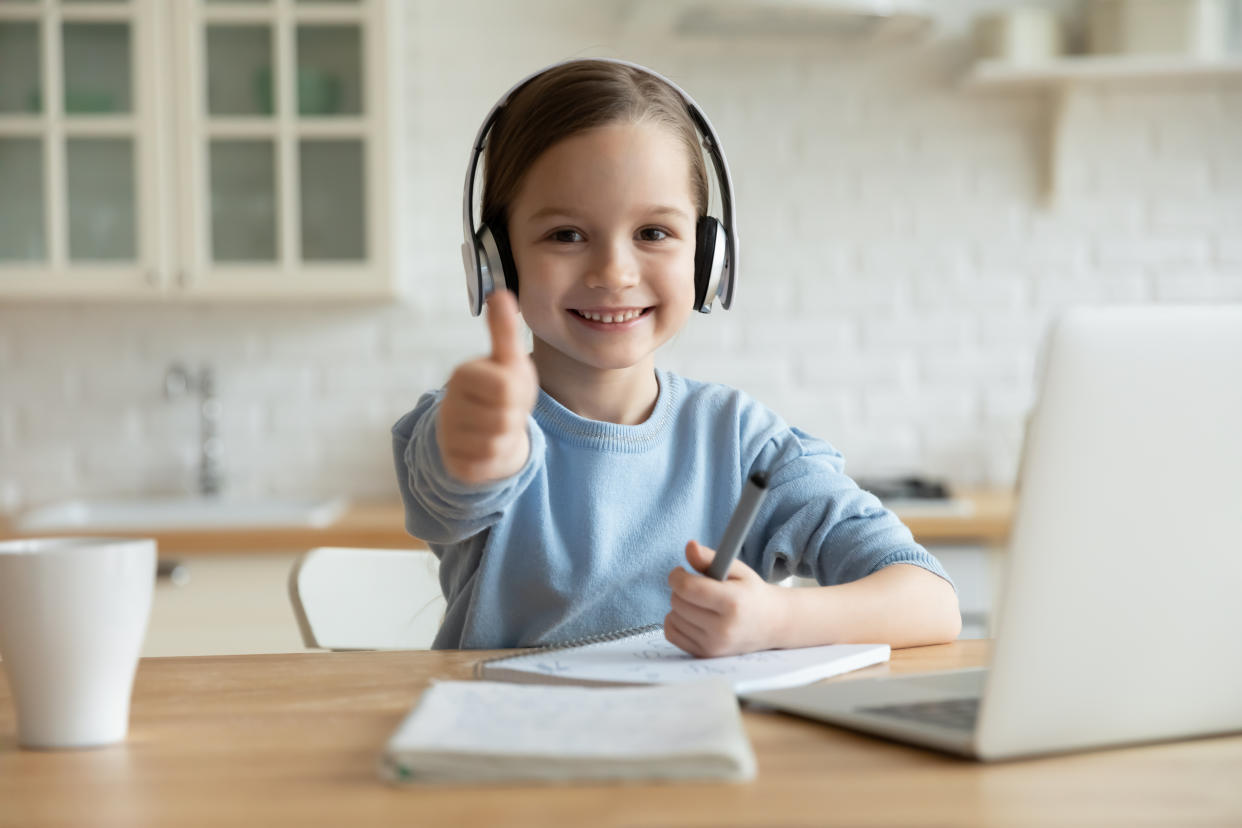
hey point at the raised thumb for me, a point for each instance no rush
(506, 330)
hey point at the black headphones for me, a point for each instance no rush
(489, 259)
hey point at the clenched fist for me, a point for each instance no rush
(481, 426)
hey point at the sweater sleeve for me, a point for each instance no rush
(439, 508)
(817, 523)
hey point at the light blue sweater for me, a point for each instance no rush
(582, 539)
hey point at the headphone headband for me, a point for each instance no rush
(479, 276)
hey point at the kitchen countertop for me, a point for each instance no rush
(365, 524)
(987, 522)
(381, 525)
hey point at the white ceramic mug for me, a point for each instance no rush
(73, 614)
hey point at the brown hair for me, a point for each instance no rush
(572, 98)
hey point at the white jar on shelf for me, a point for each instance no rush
(1233, 29)
(1191, 28)
(1023, 35)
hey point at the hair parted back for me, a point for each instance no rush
(572, 98)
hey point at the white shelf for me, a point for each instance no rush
(1099, 68)
(1059, 77)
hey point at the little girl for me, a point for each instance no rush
(563, 489)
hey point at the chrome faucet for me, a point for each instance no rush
(178, 381)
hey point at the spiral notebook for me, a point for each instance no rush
(643, 655)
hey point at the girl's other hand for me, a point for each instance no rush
(481, 424)
(740, 614)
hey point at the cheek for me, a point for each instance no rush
(524, 260)
(538, 275)
(680, 276)
(677, 289)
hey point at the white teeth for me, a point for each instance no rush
(609, 318)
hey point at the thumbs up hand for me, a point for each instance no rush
(481, 425)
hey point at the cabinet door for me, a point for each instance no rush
(77, 149)
(285, 137)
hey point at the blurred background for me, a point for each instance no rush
(229, 231)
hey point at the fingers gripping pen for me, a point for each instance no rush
(753, 493)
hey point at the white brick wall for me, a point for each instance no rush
(899, 266)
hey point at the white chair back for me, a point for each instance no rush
(367, 599)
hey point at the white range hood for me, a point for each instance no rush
(867, 21)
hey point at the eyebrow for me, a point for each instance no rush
(656, 210)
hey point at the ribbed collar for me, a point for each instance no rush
(560, 423)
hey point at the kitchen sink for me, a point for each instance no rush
(182, 513)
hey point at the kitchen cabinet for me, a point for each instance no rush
(194, 149)
(229, 605)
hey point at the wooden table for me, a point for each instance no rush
(293, 740)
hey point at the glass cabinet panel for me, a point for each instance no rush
(240, 80)
(334, 221)
(264, 181)
(100, 184)
(97, 68)
(243, 200)
(329, 61)
(21, 84)
(22, 235)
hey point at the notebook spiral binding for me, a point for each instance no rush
(571, 644)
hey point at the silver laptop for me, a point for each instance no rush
(1121, 616)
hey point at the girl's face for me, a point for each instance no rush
(603, 235)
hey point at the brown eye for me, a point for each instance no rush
(653, 234)
(567, 236)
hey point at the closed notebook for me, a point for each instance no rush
(643, 656)
(481, 731)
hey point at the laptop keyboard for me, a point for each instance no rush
(956, 714)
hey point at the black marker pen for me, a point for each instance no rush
(753, 493)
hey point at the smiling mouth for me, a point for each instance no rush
(611, 317)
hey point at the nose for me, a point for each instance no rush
(614, 266)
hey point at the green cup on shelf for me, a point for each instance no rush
(319, 93)
(263, 97)
(89, 102)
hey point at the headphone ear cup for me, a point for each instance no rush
(473, 258)
(708, 261)
(504, 271)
